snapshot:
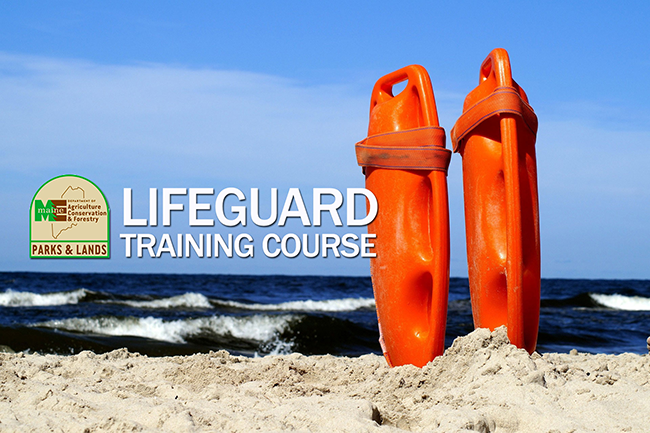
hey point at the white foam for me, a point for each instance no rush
(329, 305)
(187, 300)
(12, 298)
(275, 347)
(622, 302)
(257, 328)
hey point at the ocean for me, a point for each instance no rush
(251, 315)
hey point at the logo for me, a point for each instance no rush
(69, 218)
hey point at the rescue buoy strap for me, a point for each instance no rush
(413, 149)
(503, 99)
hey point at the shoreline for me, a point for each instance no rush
(481, 383)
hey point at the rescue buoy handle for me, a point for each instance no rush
(418, 83)
(514, 268)
(497, 65)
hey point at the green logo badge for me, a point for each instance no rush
(69, 218)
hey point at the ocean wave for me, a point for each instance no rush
(260, 328)
(275, 346)
(187, 300)
(14, 298)
(622, 302)
(329, 305)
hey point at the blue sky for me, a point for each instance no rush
(260, 94)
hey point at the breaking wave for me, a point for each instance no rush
(622, 302)
(329, 305)
(14, 298)
(187, 300)
(261, 328)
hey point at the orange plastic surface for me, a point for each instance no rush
(501, 205)
(410, 274)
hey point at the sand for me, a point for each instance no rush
(481, 383)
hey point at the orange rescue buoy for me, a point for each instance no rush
(496, 138)
(405, 162)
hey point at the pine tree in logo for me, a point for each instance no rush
(44, 212)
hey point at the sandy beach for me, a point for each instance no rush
(481, 383)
